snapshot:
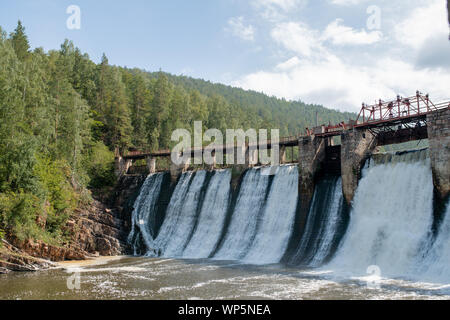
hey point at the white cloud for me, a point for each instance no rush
(424, 23)
(315, 70)
(346, 2)
(238, 28)
(297, 37)
(340, 34)
(337, 84)
(289, 64)
(282, 4)
(274, 10)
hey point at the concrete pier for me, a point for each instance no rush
(176, 170)
(251, 156)
(357, 146)
(121, 166)
(151, 165)
(310, 159)
(282, 154)
(438, 126)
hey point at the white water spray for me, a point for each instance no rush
(277, 221)
(179, 217)
(242, 229)
(143, 216)
(212, 217)
(392, 214)
(324, 220)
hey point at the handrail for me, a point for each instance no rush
(381, 112)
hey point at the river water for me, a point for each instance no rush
(210, 242)
(150, 278)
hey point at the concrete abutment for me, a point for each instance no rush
(356, 147)
(438, 127)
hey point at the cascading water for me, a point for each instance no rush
(327, 220)
(212, 217)
(277, 221)
(242, 229)
(435, 266)
(180, 217)
(392, 223)
(143, 218)
(391, 217)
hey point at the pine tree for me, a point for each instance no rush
(157, 124)
(111, 109)
(139, 97)
(20, 42)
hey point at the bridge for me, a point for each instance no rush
(382, 123)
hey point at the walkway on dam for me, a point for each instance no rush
(393, 121)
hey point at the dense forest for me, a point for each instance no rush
(62, 116)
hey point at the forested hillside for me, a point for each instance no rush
(62, 116)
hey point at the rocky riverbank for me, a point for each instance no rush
(100, 229)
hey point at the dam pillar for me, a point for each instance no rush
(177, 169)
(282, 154)
(212, 166)
(438, 127)
(121, 166)
(310, 158)
(239, 156)
(251, 156)
(357, 146)
(151, 164)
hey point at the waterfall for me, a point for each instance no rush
(212, 217)
(277, 221)
(180, 216)
(327, 220)
(242, 229)
(435, 266)
(392, 222)
(391, 217)
(143, 218)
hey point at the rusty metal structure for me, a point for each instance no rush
(395, 121)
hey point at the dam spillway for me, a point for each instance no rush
(390, 223)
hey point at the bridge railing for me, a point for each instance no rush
(381, 112)
(397, 109)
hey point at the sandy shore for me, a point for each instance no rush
(88, 262)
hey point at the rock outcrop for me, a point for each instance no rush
(100, 229)
(14, 259)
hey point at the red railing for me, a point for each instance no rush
(381, 112)
(401, 108)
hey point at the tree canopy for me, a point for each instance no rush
(62, 116)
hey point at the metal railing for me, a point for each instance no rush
(401, 108)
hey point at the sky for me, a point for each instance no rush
(338, 53)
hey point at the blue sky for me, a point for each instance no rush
(331, 52)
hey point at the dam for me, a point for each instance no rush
(308, 229)
(385, 123)
(341, 207)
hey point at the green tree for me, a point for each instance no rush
(20, 42)
(157, 123)
(111, 108)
